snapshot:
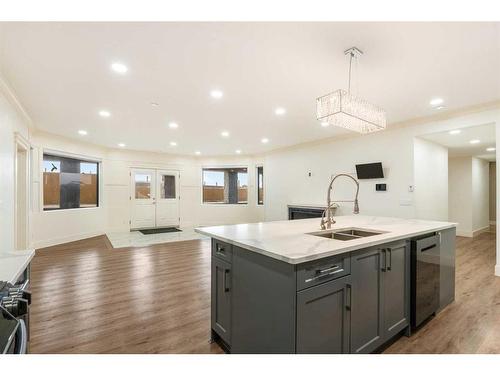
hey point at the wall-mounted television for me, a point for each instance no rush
(370, 170)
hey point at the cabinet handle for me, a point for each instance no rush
(224, 281)
(390, 259)
(348, 297)
(384, 267)
(219, 248)
(326, 270)
(333, 270)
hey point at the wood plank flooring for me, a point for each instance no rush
(91, 298)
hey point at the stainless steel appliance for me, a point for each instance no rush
(425, 278)
(14, 315)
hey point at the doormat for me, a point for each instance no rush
(159, 230)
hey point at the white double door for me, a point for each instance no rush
(154, 198)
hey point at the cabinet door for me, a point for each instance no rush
(323, 318)
(221, 298)
(396, 285)
(367, 300)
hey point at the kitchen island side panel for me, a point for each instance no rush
(447, 267)
(264, 304)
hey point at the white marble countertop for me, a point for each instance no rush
(288, 241)
(13, 263)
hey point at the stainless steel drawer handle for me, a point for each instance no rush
(326, 270)
(220, 249)
(321, 275)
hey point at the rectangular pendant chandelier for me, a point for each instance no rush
(344, 110)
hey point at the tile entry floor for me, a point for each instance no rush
(137, 239)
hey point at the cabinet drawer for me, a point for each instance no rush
(222, 250)
(318, 272)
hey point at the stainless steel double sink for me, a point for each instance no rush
(346, 234)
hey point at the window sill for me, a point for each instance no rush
(71, 209)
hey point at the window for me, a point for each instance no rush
(225, 185)
(260, 185)
(69, 183)
(167, 188)
(142, 186)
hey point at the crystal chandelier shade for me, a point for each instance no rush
(344, 110)
(341, 108)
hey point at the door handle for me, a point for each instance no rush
(348, 289)
(224, 281)
(384, 267)
(390, 259)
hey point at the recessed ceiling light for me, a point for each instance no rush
(197, 152)
(238, 151)
(225, 134)
(474, 141)
(104, 113)
(491, 149)
(453, 132)
(280, 111)
(325, 124)
(440, 107)
(119, 68)
(173, 125)
(82, 132)
(154, 104)
(216, 94)
(173, 143)
(436, 101)
(121, 145)
(264, 140)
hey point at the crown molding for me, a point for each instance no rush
(9, 93)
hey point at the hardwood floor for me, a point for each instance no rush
(91, 298)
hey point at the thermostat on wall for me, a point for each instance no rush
(381, 187)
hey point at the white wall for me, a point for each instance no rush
(469, 194)
(288, 182)
(113, 214)
(493, 192)
(480, 194)
(460, 194)
(431, 180)
(11, 121)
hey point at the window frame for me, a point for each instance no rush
(219, 204)
(82, 158)
(257, 184)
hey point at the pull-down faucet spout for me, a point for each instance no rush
(329, 218)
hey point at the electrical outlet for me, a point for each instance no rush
(411, 188)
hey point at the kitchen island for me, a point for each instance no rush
(288, 287)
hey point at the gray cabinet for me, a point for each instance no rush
(367, 303)
(380, 295)
(323, 318)
(396, 283)
(221, 298)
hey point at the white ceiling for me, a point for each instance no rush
(458, 144)
(61, 73)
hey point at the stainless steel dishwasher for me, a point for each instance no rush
(425, 278)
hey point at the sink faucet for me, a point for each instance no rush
(329, 218)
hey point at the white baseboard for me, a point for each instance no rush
(462, 233)
(497, 270)
(477, 232)
(60, 240)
